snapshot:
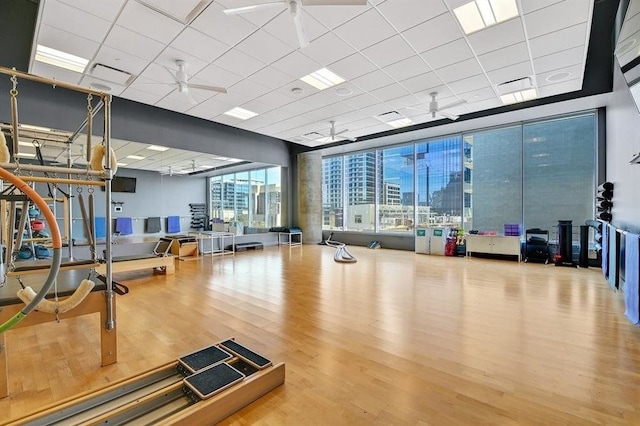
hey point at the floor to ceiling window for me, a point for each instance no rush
(332, 193)
(360, 180)
(396, 195)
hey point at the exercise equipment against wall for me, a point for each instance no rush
(604, 202)
(341, 254)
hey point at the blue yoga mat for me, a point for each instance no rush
(605, 250)
(173, 224)
(632, 271)
(124, 225)
(101, 227)
(612, 278)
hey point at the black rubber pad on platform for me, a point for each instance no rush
(204, 358)
(248, 355)
(210, 381)
(243, 366)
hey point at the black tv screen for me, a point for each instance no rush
(123, 184)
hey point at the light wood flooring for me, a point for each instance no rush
(396, 339)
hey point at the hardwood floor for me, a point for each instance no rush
(396, 338)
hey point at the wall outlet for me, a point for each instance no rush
(117, 209)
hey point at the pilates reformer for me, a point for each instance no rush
(200, 388)
(160, 260)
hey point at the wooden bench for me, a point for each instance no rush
(139, 262)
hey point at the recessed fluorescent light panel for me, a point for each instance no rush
(521, 96)
(402, 122)
(60, 59)
(157, 148)
(136, 157)
(322, 79)
(479, 14)
(241, 113)
(122, 164)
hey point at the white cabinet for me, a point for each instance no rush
(493, 244)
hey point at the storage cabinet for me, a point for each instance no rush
(494, 244)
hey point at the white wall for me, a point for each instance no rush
(623, 142)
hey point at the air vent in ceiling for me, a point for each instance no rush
(385, 117)
(113, 75)
(312, 135)
(181, 11)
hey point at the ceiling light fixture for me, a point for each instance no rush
(241, 113)
(515, 97)
(402, 122)
(136, 157)
(157, 148)
(519, 90)
(480, 14)
(122, 164)
(60, 59)
(344, 91)
(322, 79)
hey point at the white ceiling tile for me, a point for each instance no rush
(389, 92)
(134, 94)
(352, 66)
(388, 51)
(477, 95)
(327, 49)
(558, 41)
(210, 108)
(264, 47)
(170, 55)
(464, 69)
(404, 14)
(248, 89)
(257, 17)
(421, 82)
(529, 6)
(239, 63)
(372, 81)
(50, 71)
(447, 54)
(357, 31)
(504, 57)
(559, 60)
(283, 29)
(556, 17)
(177, 101)
(468, 84)
(442, 92)
(407, 68)
(66, 42)
(119, 60)
(496, 37)
(558, 88)
(362, 101)
(575, 73)
(143, 84)
(320, 99)
(116, 89)
(104, 9)
(296, 65)
(286, 90)
(133, 43)
(213, 74)
(199, 45)
(228, 120)
(181, 10)
(148, 22)
(227, 29)
(334, 16)
(61, 15)
(267, 102)
(435, 32)
(510, 73)
(271, 78)
(156, 73)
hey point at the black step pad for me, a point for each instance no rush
(210, 381)
(248, 355)
(254, 245)
(204, 358)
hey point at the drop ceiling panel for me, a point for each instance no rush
(362, 101)
(199, 45)
(559, 60)
(407, 68)
(229, 29)
(334, 16)
(358, 34)
(296, 65)
(179, 10)
(177, 101)
(510, 73)
(116, 89)
(504, 57)
(389, 92)
(282, 28)
(558, 41)
(556, 17)
(420, 82)
(404, 14)
(257, 17)
(352, 66)
(154, 87)
(135, 94)
(61, 15)
(372, 81)
(263, 47)
(119, 60)
(135, 44)
(61, 40)
(170, 55)
(469, 84)
(437, 31)
(464, 69)
(563, 87)
(267, 102)
(389, 51)
(529, 6)
(239, 63)
(214, 75)
(271, 78)
(497, 37)
(210, 108)
(145, 21)
(328, 48)
(447, 54)
(104, 9)
(49, 71)
(249, 89)
(575, 71)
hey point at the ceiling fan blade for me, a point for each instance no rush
(418, 109)
(303, 39)
(190, 97)
(452, 104)
(209, 88)
(173, 75)
(449, 116)
(246, 9)
(340, 132)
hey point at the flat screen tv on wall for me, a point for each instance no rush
(123, 184)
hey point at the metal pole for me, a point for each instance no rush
(51, 169)
(84, 124)
(109, 293)
(69, 206)
(56, 83)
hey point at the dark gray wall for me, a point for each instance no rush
(623, 142)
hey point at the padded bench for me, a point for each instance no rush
(139, 262)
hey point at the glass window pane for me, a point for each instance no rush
(396, 193)
(217, 211)
(559, 167)
(332, 195)
(258, 198)
(360, 180)
(439, 174)
(273, 206)
(496, 178)
(241, 198)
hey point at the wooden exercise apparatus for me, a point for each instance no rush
(83, 301)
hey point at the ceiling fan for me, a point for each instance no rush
(295, 10)
(434, 109)
(333, 136)
(181, 81)
(177, 170)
